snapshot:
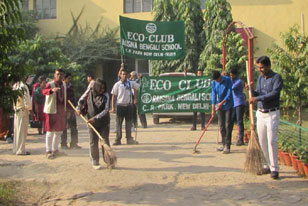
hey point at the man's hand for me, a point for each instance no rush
(77, 112)
(247, 86)
(219, 105)
(113, 110)
(56, 89)
(253, 100)
(91, 121)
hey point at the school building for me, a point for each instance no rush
(266, 18)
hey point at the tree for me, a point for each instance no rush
(89, 47)
(40, 56)
(217, 18)
(190, 12)
(11, 34)
(291, 62)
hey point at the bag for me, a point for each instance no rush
(35, 124)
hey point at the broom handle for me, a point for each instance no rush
(92, 127)
(208, 124)
(252, 119)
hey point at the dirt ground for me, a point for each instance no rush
(161, 170)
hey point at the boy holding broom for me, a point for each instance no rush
(97, 104)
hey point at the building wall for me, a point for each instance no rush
(267, 17)
(94, 10)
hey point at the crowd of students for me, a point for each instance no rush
(50, 107)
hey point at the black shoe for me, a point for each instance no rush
(26, 153)
(240, 143)
(117, 143)
(64, 147)
(275, 175)
(264, 171)
(193, 128)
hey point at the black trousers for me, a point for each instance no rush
(142, 118)
(202, 115)
(74, 132)
(124, 112)
(94, 146)
(226, 126)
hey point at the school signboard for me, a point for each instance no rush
(175, 94)
(152, 40)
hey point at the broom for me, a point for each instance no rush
(254, 156)
(195, 151)
(109, 157)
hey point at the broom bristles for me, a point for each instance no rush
(254, 156)
(109, 157)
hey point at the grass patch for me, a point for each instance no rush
(7, 193)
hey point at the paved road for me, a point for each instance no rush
(162, 170)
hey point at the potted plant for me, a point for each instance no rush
(294, 157)
(304, 159)
(281, 142)
(286, 148)
(300, 154)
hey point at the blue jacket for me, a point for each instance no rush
(222, 91)
(237, 92)
(268, 91)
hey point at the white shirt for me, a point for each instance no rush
(24, 101)
(124, 92)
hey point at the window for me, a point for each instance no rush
(25, 5)
(47, 9)
(134, 6)
(142, 66)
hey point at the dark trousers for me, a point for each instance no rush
(74, 132)
(225, 125)
(202, 115)
(134, 116)
(143, 120)
(94, 147)
(124, 112)
(238, 116)
(11, 127)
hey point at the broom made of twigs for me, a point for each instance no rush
(109, 156)
(254, 156)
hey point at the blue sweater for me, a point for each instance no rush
(222, 91)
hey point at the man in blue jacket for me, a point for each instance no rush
(222, 96)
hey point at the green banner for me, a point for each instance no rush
(175, 94)
(152, 40)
